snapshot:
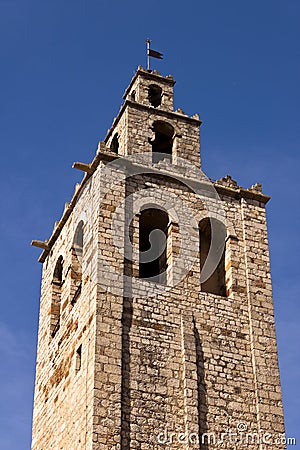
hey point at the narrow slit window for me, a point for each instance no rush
(76, 272)
(114, 146)
(78, 358)
(57, 282)
(132, 96)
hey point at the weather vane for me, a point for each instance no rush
(152, 53)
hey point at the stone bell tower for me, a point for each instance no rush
(156, 325)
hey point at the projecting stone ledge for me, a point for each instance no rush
(40, 244)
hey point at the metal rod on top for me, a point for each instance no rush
(148, 41)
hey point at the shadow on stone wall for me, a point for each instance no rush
(126, 326)
(125, 372)
(202, 394)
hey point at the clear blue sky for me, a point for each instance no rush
(64, 67)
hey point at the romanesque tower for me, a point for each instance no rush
(156, 325)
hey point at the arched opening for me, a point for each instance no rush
(76, 272)
(56, 296)
(153, 230)
(114, 146)
(155, 95)
(215, 266)
(163, 141)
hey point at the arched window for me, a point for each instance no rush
(163, 141)
(76, 272)
(155, 95)
(56, 297)
(153, 228)
(212, 256)
(114, 146)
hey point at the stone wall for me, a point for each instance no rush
(134, 364)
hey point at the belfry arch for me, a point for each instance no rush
(162, 142)
(213, 256)
(153, 234)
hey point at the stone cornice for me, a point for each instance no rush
(104, 154)
(240, 192)
(151, 110)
